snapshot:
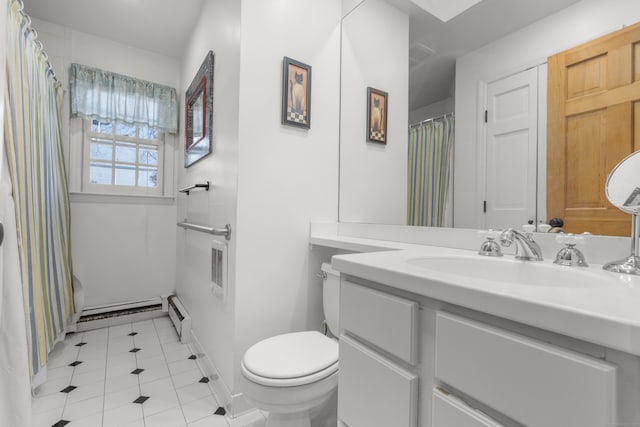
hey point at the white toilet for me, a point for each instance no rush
(289, 375)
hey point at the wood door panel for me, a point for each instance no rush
(587, 77)
(593, 123)
(585, 141)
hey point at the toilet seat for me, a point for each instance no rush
(289, 360)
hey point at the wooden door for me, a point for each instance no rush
(593, 123)
(511, 153)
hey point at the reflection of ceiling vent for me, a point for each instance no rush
(418, 53)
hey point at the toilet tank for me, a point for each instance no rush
(331, 297)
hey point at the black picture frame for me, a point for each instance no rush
(199, 113)
(377, 107)
(296, 93)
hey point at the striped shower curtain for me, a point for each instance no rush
(429, 172)
(36, 166)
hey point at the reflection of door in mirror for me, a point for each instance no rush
(593, 122)
(198, 117)
(511, 150)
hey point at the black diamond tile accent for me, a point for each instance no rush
(68, 389)
(204, 380)
(137, 371)
(76, 363)
(135, 350)
(80, 344)
(133, 334)
(220, 411)
(141, 399)
(193, 357)
(61, 423)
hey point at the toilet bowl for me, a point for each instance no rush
(291, 374)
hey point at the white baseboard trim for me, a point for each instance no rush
(235, 404)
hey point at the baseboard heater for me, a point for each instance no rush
(181, 320)
(114, 314)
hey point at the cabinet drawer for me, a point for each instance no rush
(384, 320)
(535, 383)
(449, 411)
(373, 391)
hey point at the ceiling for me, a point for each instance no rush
(164, 26)
(432, 80)
(161, 26)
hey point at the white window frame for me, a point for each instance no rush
(113, 189)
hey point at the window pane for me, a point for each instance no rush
(101, 127)
(125, 130)
(146, 133)
(100, 173)
(125, 152)
(125, 175)
(148, 155)
(101, 151)
(148, 177)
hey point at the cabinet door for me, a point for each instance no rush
(532, 382)
(449, 411)
(373, 391)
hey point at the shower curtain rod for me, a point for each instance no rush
(442, 116)
(28, 28)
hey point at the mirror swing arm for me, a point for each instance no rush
(631, 264)
(623, 191)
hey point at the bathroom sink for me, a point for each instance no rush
(507, 270)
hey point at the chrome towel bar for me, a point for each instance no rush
(226, 231)
(195, 186)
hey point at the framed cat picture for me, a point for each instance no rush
(296, 93)
(376, 115)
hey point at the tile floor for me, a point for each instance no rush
(137, 374)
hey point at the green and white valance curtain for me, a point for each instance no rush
(110, 97)
(429, 172)
(39, 187)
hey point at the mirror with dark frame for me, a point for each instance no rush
(199, 113)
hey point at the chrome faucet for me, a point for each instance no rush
(526, 248)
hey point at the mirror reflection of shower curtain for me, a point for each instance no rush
(429, 201)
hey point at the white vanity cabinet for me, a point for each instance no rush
(378, 386)
(409, 361)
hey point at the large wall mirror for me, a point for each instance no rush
(492, 57)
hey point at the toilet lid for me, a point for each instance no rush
(291, 355)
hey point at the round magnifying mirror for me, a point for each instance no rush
(623, 191)
(623, 184)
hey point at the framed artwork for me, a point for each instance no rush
(199, 113)
(296, 93)
(376, 115)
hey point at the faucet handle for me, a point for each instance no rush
(490, 247)
(569, 239)
(570, 255)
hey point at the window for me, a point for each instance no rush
(122, 159)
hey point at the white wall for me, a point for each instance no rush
(217, 29)
(373, 177)
(123, 248)
(288, 177)
(525, 48)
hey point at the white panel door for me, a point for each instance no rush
(511, 150)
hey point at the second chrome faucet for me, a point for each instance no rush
(526, 248)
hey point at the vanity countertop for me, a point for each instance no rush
(608, 315)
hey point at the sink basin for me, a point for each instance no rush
(515, 272)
